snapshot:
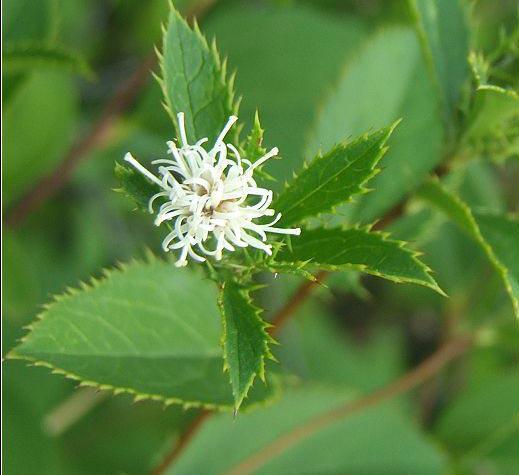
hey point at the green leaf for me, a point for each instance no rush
(360, 249)
(497, 235)
(493, 122)
(148, 329)
(253, 148)
(345, 358)
(387, 79)
(29, 393)
(28, 20)
(39, 124)
(477, 422)
(245, 339)
(135, 186)
(27, 56)
(371, 442)
(282, 86)
(333, 178)
(194, 80)
(442, 26)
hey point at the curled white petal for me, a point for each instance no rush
(210, 199)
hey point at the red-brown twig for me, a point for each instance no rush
(48, 185)
(124, 96)
(279, 320)
(423, 372)
(184, 440)
(295, 302)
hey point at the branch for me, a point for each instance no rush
(184, 440)
(297, 299)
(427, 369)
(279, 320)
(50, 184)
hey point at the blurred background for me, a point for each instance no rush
(92, 70)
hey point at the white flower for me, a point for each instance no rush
(206, 198)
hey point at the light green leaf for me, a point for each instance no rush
(29, 393)
(479, 420)
(375, 441)
(363, 358)
(493, 122)
(360, 249)
(442, 26)
(387, 80)
(282, 86)
(253, 148)
(39, 124)
(497, 235)
(27, 56)
(245, 339)
(194, 80)
(148, 329)
(333, 178)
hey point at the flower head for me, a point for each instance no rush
(210, 198)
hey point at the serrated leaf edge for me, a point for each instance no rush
(479, 238)
(226, 80)
(386, 237)
(107, 273)
(264, 326)
(361, 186)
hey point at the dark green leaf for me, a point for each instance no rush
(28, 20)
(360, 249)
(245, 339)
(333, 178)
(24, 57)
(135, 186)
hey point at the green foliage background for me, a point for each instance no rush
(319, 72)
